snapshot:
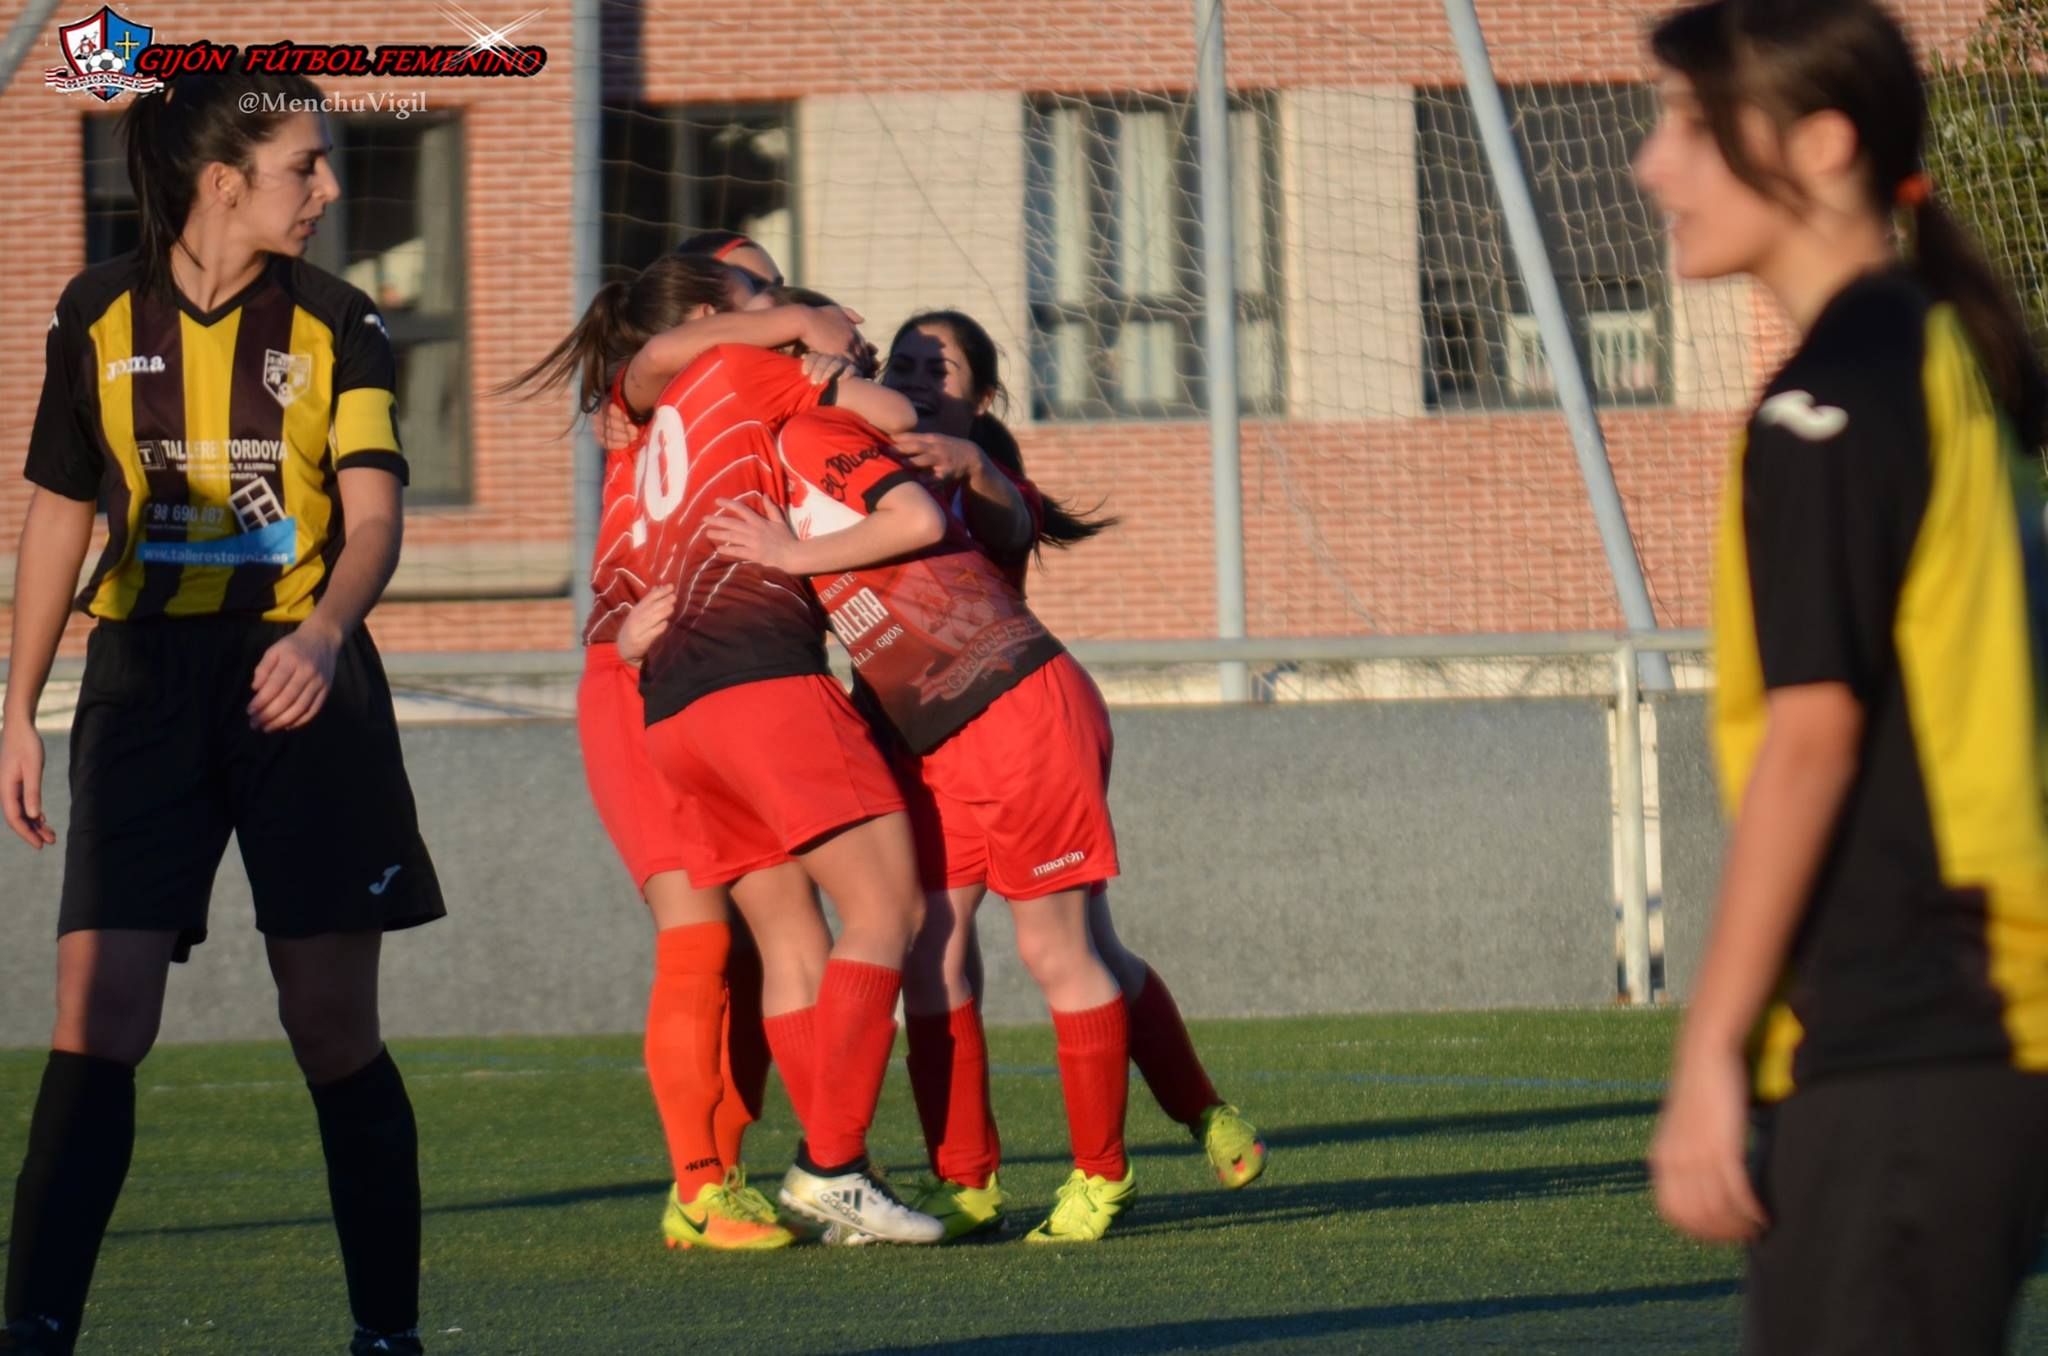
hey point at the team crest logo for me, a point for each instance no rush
(286, 375)
(99, 56)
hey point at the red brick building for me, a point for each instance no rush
(1405, 468)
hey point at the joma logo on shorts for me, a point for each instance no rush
(1059, 864)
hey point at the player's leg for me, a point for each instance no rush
(1166, 1058)
(149, 822)
(745, 1056)
(329, 835)
(327, 1001)
(1092, 1038)
(949, 1077)
(110, 993)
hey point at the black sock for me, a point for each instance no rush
(816, 1169)
(373, 1178)
(79, 1143)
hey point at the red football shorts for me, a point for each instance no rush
(639, 809)
(1018, 798)
(767, 768)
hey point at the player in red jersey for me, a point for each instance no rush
(706, 1077)
(946, 365)
(1007, 749)
(772, 762)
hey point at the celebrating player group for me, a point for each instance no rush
(761, 488)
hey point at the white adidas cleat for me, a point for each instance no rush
(856, 1207)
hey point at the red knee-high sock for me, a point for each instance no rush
(856, 1030)
(745, 1053)
(1094, 1053)
(685, 1024)
(949, 1079)
(1165, 1054)
(793, 1036)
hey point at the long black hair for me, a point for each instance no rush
(1792, 60)
(1062, 526)
(173, 133)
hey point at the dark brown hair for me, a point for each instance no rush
(1792, 60)
(173, 133)
(1062, 526)
(621, 318)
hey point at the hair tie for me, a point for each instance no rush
(729, 246)
(1915, 189)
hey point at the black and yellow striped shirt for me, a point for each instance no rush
(1881, 530)
(213, 441)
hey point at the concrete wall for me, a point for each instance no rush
(1278, 859)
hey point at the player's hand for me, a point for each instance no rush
(293, 678)
(821, 369)
(21, 783)
(1697, 1161)
(744, 534)
(830, 329)
(616, 430)
(946, 460)
(645, 623)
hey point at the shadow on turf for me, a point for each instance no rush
(1369, 1131)
(539, 1200)
(1206, 1333)
(1272, 1202)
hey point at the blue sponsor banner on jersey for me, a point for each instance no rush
(276, 544)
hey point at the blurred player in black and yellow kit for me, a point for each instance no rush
(1877, 975)
(230, 409)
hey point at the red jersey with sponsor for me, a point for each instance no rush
(935, 638)
(712, 437)
(618, 575)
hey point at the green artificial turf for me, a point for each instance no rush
(1437, 1183)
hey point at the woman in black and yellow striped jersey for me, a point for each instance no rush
(229, 407)
(1876, 980)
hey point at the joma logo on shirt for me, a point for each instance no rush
(121, 367)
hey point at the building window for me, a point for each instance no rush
(1113, 216)
(674, 170)
(397, 233)
(111, 225)
(1481, 345)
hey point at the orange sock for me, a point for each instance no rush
(685, 1027)
(949, 1079)
(1094, 1047)
(745, 1052)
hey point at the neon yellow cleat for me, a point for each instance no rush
(963, 1210)
(1084, 1209)
(749, 1200)
(716, 1220)
(1233, 1145)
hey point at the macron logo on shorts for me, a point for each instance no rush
(1059, 864)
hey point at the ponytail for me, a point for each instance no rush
(1952, 268)
(1059, 525)
(173, 133)
(620, 320)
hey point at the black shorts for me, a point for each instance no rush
(1906, 1209)
(164, 766)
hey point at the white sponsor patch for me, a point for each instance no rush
(1795, 410)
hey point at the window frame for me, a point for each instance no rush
(1106, 311)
